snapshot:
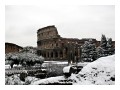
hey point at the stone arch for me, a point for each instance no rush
(61, 54)
(56, 54)
(44, 54)
(66, 50)
(51, 54)
(76, 53)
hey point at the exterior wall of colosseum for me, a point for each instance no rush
(53, 47)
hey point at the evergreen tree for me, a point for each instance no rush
(102, 49)
(110, 48)
(84, 50)
(106, 48)
(103, 43)
(92, 50)
(88, 51)
(100, 52)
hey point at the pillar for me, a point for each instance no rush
(58, 54)
(46, 55)
(53, 54)
(64, 54)
(49, 54)
(78, 53)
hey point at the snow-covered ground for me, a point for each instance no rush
(66, 69)
(46, 63)
(7, 66)
(99, 72)
(49, 80)
(13, 80)
(82, 63)
(56, 62)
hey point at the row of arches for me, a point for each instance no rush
(54, 54)
(57, 54)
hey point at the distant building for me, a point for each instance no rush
(11, 48)
(53, 47)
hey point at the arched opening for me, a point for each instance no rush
(66, 49)
(61, 54)
(44, 55)
(75, 53)
(56, 54)
(48, 54)
(51, 54)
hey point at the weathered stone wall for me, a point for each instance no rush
(11, 48)
(47, 33)
(53, 47)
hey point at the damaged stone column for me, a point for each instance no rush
(64, 54)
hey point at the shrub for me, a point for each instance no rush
(23, 76)
(13, 80)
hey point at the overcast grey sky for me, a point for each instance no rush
(22, 22)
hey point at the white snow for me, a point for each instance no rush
(29, 79)
(98, 72)
(27, 56)
(83, 64)
(49, 80)
(46, 63)
(7, 66)
(13, 80)
(15, 65)
(66, 69)
(56, 62)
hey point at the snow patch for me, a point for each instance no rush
(49, 80)
(7, 66)
(66, 69)
(99, 72)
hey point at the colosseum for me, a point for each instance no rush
(54, 47)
